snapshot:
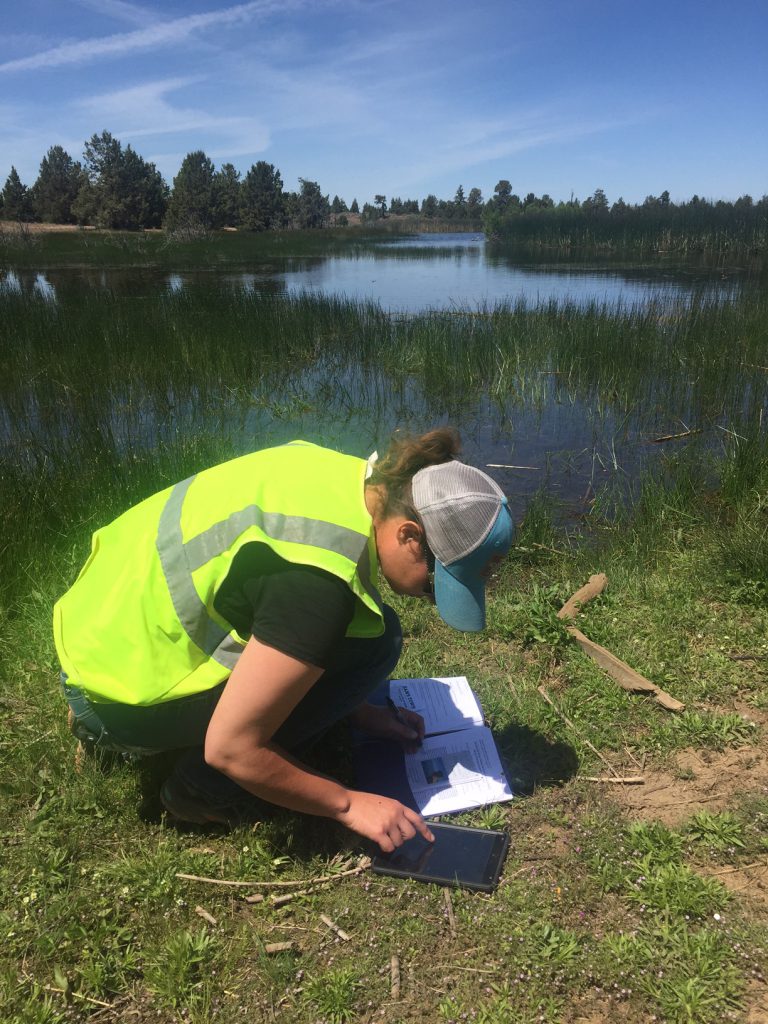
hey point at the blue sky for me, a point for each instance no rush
(402, 98)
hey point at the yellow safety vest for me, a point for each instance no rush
(139, 625)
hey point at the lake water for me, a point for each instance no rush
(425, 272)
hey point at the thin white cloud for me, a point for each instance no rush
(495, 140)
(120, 10)
(160, 34)
(145, 111)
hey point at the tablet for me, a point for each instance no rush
(469, 858)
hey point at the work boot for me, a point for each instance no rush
(198, 794)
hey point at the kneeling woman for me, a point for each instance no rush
(237, 613)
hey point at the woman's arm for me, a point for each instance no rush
(264, 688)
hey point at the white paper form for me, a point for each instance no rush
(457, 771)
(446, 703)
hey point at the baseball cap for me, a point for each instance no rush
(467, 522)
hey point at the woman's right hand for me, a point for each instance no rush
(387, 822)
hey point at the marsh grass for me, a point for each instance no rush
(138, 391)
(107, 400)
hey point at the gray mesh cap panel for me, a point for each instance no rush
(458, 505)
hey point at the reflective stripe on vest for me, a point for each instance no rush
(179, 559)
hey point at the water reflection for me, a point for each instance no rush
(10, 283)
(43, 287)
(411, 275)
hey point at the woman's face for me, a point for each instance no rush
(403, 557)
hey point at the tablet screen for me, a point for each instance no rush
(459, 856)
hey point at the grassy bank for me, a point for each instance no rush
(22, 246)
(617, 901)
(614, 902)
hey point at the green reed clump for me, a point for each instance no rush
(107, 392)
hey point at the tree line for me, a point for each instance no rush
(694, 225)
(114, 187)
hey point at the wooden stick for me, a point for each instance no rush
(449, 910)
(394, 976)
(280, 947)
(543, 547)
(746, 867)
(621, 673)
(617, 669)
(280, 901)
(674, 437)
(202, 912)
(335, 928)
(504, 465)
(220, 881)
(256, 897)
(596, 585)
(626, 780)
(78, 995)
(570, 725)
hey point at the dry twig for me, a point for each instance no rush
(280, 947)
(202, 912)
(674, 437)
(335, 928)
(78, 995)
(394, 975)
(362, 865)
(617, 669)
(449, 911)
(626, 780)
(745, 867)
(280, 901)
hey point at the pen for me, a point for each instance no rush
(396, 712)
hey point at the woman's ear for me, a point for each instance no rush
(410, 530)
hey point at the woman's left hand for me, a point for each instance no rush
(381, 722)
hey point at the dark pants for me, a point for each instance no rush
(356, 670)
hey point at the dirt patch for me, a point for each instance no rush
(756, 1004)
(597, 1010)
(749, 881)
(41, 229)
(545, 842)
(701, 780)
(751, 714)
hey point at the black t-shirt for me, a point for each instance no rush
(298, 609)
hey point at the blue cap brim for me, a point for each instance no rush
(460, 587)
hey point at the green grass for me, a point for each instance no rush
(599, 915)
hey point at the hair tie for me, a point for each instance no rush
(373, 458)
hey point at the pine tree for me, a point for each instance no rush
(122, 191)
(226, 197)
(16, 199)
(262, 203)
(192, 199)
(58, 183)
(313, 207)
